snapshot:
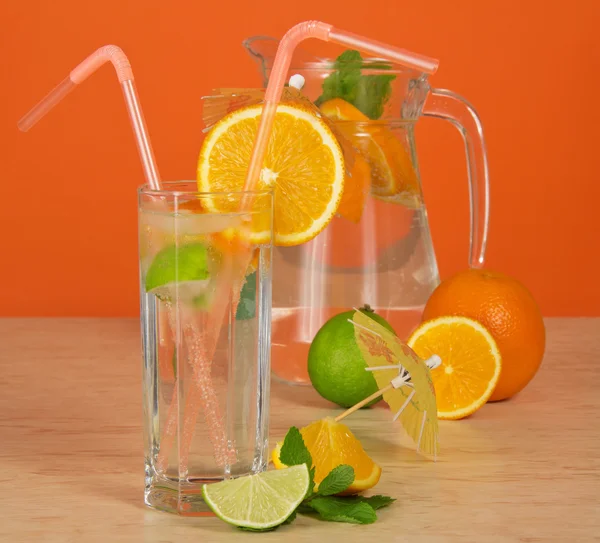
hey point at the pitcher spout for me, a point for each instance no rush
(263, 49)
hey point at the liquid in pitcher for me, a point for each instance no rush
(383, 259)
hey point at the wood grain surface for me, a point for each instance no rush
(71, 466)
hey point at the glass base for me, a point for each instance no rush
(184, 496)
(184, 502)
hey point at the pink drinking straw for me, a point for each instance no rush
(202, 390)
(121, 64)
(285, 50)
(298, 33)
(201, 340)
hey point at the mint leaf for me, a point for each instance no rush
(247, 306)
(291, 518)
(378, 501)
(305, 509)
(344, 81)
(337, 480)
(294, 451)
(343, 510)
(372, 94)
(368, 93)
(311, 484)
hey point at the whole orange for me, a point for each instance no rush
(507, 309)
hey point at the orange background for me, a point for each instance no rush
(68, 200)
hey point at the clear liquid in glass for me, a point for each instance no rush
(176, 334)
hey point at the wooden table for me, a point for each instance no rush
(72, 469)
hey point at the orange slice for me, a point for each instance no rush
(330, 444)
(232, 241)
(392, 171)
(304, 165)
(470, 367)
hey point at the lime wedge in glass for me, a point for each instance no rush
(260, 501)
(182, 267)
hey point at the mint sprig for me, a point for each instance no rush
(323, 503)
(368, 93)
(337, 480)
(378, 501)
(294, 451)
(341, 510)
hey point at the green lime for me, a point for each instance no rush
(335, 365)
(186, 266)
(260, 501)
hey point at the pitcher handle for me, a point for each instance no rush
(445, 104)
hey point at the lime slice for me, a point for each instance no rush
(184, 267)
(260, 501)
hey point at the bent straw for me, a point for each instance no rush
(124, 72)
(298, 33)
(202, 342)
(289, 42)
(198, 395)
(122, 66)
(283, 57)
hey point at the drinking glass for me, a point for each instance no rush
(205, 286)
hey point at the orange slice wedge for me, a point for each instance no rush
(330, 444)
(392, 172)
(304, 166)
(471, 363)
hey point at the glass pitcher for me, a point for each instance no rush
(381, 254)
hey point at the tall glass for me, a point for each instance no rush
(205, 339)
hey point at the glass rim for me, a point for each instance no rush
(146, 190)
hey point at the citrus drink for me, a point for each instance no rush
(205, 291)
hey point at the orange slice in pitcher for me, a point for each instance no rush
(304, 165)
(392, 172)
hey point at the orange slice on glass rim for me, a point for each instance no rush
(304, 166)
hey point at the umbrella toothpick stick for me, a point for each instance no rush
(363, 402)
(402, 380)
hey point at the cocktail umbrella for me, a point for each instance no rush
(403, 379)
